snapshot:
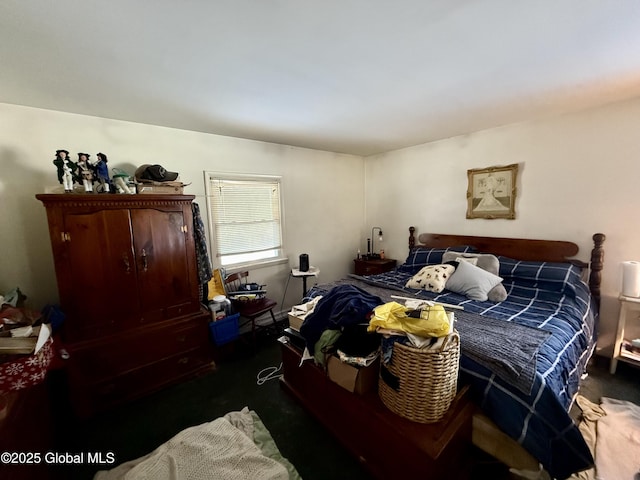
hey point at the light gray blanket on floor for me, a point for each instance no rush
(507, 349)
(618, 441)
(612, 431)
(221, 449)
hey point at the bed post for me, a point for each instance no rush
(412, 238)
(596, 264)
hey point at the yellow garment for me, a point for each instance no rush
(433, 321)
(216, 287)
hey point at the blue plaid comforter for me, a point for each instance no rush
(542, 295)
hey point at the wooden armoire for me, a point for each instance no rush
(128, 286)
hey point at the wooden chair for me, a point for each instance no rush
(250, 309)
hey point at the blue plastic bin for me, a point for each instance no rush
(225, 330)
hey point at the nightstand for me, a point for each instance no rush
(373, 266)
(629, 309)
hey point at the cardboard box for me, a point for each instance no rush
(295, 321)
(299, 312)
(165, 188)
(355, 379)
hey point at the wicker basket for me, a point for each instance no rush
(240, 301)
(420, 384)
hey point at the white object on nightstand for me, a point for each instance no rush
(628, 306)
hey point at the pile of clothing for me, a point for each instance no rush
(419, 324)
(354, 324)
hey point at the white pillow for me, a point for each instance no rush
(472, 281)
(432, 278)
(485, 261)
(471, 260)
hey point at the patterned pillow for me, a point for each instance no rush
(432, 278)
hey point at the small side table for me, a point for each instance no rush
(628, 306)
(373, 266)
(312, 272)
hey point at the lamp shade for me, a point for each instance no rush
(380, 238)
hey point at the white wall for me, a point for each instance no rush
(323, 192)
(578, 174)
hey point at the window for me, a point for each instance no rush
(244, 217)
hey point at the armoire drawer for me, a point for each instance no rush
(141, 381)
(119, 354)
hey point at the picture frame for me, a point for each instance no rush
(491, 192)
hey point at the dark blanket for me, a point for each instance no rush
(507, 349)
(341, 306)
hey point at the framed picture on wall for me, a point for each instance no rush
(492, 192)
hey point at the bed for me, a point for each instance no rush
(548, 291)
(234, 446)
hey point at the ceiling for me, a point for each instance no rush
(352, 76)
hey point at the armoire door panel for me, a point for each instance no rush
(101, 262)
(161, 258)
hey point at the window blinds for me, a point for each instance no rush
(246, 215)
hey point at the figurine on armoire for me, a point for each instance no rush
(102, 172)
(85, 172)
(120, 180)
(66, 169)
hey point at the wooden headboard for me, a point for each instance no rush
(524, 249)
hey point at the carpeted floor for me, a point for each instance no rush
(624, 385)
(137, 428)
(247, 378)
